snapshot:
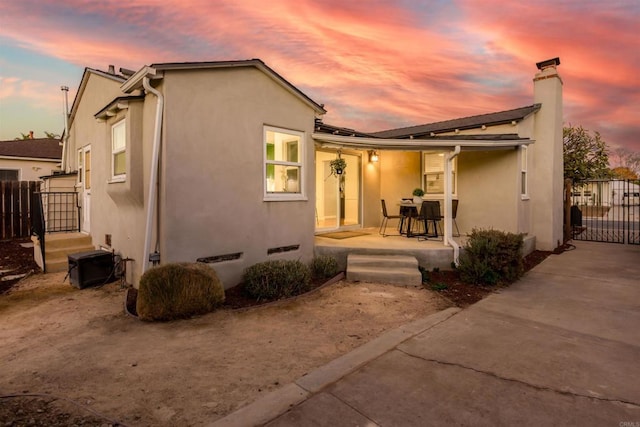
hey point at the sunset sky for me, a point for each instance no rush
(374, 64)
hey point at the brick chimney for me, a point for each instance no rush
(30, 134)
(548, 167)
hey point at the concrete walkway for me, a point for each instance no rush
(560, 347)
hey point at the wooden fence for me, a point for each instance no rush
(15, 208)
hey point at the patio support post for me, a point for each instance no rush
(448, 230)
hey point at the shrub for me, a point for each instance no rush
(276, 279)
(324, 267)
(178, 290)
(491, 256)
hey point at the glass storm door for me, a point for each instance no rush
(337, 196)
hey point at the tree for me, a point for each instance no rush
(623, 172)
(51, 135)
(624, 158)
(586, 156)
(29, 135)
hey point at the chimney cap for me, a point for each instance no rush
(548, 63)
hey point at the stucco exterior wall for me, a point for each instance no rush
(371, 191)
(212, 170)
(399, 175)
(547, 157)
(488, 190)
(109, 214)
(30, 170)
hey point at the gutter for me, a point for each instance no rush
(448, 229)
(153, 181)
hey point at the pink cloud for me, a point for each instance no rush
(374, 64)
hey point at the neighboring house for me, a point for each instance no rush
(29, 159)
(606, 192)
(229, 163)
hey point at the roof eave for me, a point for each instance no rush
(135, 82)
(335, 141)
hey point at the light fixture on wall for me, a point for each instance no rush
(373, 156)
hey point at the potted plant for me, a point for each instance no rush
(338, 165)
(417, 195)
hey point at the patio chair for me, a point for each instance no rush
(429, 214)
(385, 219)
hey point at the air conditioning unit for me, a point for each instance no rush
(91, 268)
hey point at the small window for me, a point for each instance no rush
(80, 166)
(9, 174)
(434, 173)
(118, 150)
(284, 156)
(524, 185)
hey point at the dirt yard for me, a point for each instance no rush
(97, 365)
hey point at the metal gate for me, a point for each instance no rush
(606, 211)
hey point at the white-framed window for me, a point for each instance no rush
(119, 150)
(283, 164)
(434, 173)
(524, 181)
(9, 175)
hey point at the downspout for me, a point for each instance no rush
(65, 139)
(153, 179)
(448, 226)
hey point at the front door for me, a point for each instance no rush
(338, 196)
(84, 177)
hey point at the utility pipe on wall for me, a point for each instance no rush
(448, 229)
(153, 178)
(65, 139)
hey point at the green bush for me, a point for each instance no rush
(276, 279)
(491, 256)
(324, 267)
(179, 290)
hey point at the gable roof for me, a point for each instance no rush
(83, 84)
(135, 81)
(39, 148)
(491, 119)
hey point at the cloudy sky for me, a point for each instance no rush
(374, 64)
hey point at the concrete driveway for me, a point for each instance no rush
(560, 347)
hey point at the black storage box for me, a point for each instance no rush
(91, 268)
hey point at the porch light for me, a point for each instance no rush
(373, 156)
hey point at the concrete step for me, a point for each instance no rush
(66, 240)
(390, 261)
(62, 254)
(57, 266)
(393, 269)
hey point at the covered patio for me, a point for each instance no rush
(395, 178)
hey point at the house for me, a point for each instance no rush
(29, 159)
(504, 168)
(229, 163)
(606, 192)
